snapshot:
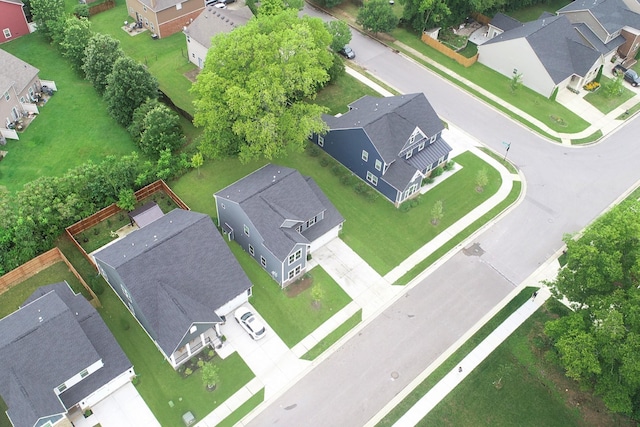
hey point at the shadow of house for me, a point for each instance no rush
(279, 217)
(390, 143)
(177, 277)
(57, 355)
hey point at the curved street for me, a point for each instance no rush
(566, 188)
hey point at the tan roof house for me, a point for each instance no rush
(165, 17)
(212, 21)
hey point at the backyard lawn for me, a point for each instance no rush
(72, 128)
(166, 58)
(292, 317)
(531, 13)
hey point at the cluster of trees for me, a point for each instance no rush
(598, 343)
(32, 219)
(254, 96)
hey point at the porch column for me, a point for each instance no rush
(188, 349)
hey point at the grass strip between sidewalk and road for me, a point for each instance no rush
(333, 337)
(243, 410)
(437, 254)
(442, 370)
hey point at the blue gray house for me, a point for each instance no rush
(391, 143)
(279, 217)
(178, 277)
(56, 357)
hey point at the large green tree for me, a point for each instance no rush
(128, 86)
(377, 16)
(340, 33)
(100, 54)
(162, 131)
(423, 14)
(599, 342)
(253, 97)
(77, 33)
(48, 16)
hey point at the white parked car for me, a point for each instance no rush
(250, 323)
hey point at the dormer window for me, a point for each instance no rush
(433, 139)
(421, 145)
(409, 154)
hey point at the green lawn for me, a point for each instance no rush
(158, 382)
(334, 336)
(525, 99)
(166, 58)
(72, 127)
(292, 318)
(338, 95)
(603, 101)
(516, 385)
(367, 224)
(244, 409)
(532, 13)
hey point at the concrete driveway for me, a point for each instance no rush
(122, 408)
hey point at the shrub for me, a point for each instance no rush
(81, 11)
(361, 188)
(372, 196)
(405, 207)
(337, 170)
(313, 150)
(347, 180)
(324, 162)
(449, 166)
(436, 172)
(200, 363)
(210, 353)
(96, 285)
(188, 371)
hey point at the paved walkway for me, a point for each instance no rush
(599, 121)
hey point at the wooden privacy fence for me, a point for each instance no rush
(113, 209)
(460, 59)
(108, 4)
(35, 266)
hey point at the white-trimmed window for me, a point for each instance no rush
(409, 154)
(251, 250)
(7, 33)
(299, 229)
(320, 141)
(378, 165)
(295, 256)
(440, 160)
(84, 373)
(421, 145)
(365, 155)
(62, 387)
(126, 293)
(145, 9)
(372, 178)
(179, 6)
(263, 261)
(291, 274)
(193, 329)
(311, 222)
(146, 21)
(22, 99)
(152, 29)
(246, 230)
(7, 96)
(433, 139)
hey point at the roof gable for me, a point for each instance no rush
(214, 21)
(611, 14)
(15, 72)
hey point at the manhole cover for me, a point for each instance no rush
(394, 375)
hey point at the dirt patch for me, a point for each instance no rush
(192, 75)
(299, 286)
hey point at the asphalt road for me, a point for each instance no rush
(566, 188)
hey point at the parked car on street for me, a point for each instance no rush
(629, 75)
(347, 52)
(250, 323)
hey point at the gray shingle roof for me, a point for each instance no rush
(214, 21)
(389, 122)
(558, 46)
(504, 22)
(15, 71)
(178, 270)
(595, 41)
(51, 338)
(273, 194)
(164, 4)
(612, 14)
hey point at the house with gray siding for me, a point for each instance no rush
(390, 143)
(178, 278)
(279, 217)
(57, 357)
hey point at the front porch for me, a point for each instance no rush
(195, 346)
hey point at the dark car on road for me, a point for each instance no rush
(629, 75)
(347, 52)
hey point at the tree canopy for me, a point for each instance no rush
(599, 342)
(77, 33)
(128, 86)
(48, 15)
(253, 97)
(340, 33)
(101, 52)
(377, 16)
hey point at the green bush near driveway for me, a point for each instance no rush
(72, 127)
(292, 318)
(606, 104)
